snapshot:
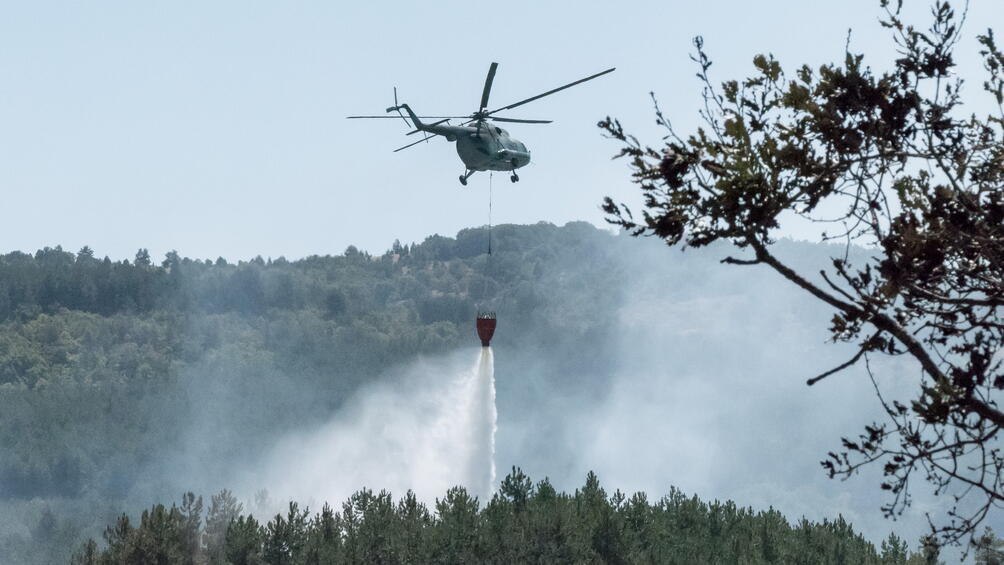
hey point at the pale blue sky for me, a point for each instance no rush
(218, 128)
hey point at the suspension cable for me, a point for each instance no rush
(490, 176)
(488, 259)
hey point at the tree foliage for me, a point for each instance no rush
(522, 523)
(889, 161)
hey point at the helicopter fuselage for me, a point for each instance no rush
(482, 146)
(489, 148)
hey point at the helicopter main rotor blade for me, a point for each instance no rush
(427, 138)
(519, 121)
(488, 86)
(550, 92)
(395, 117)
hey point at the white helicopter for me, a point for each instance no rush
(481, 146)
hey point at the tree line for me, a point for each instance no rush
(524, 522)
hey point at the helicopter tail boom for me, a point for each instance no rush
(435, 128)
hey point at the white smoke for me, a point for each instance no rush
(426, 429)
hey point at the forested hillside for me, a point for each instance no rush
(92, 351)
(123, 383)
(119, 377)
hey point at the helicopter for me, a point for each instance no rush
(481, 145)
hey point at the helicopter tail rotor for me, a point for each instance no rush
(397, 108)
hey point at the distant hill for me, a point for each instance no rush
(126, 381)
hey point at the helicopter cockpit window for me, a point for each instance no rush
(498, 130)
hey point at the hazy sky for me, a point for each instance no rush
(218, 128)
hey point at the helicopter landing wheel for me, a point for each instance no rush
(463, 180)
(514, 177)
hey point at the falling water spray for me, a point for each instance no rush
(427, 429)
(480, 472)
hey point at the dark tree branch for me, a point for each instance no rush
(734, 261)
(908, 176)
(839, 368)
